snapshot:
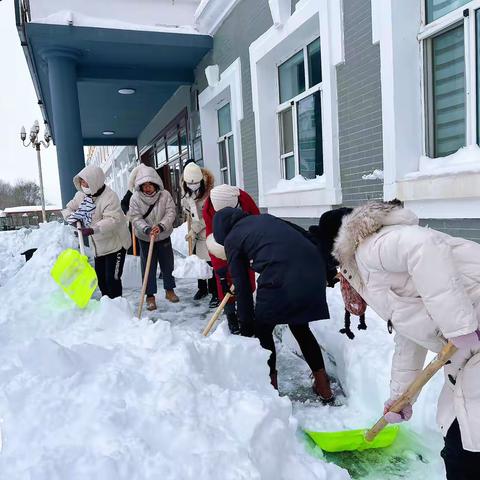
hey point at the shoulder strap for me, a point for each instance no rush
(149, 211)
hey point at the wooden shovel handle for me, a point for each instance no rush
(190, 239)
(217, 313)
(145, 276)
(80, 238)
(414, 388)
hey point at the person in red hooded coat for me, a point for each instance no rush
(220, 197)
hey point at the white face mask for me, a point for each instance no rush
(86, 190)
(194, 186)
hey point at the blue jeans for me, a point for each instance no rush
(163, 255)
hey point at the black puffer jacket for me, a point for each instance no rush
(291, 285)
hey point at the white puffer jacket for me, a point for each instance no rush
(108, 221)
(427, 284)
(193, 207)
(163, 212)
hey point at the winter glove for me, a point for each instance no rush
(392, 417)
(470, 341)
(86, 232)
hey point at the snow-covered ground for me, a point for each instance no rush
(98, 394)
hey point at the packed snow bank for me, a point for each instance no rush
(96, 394)
(192, 267)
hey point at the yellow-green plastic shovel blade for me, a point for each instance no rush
(76, 276)
(353, 439)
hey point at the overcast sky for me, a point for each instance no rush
(18, 106)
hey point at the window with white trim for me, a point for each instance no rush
(450, 42)
(299, 113)
(226, 151)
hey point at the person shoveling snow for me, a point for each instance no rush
(196, 185)
(426, 285)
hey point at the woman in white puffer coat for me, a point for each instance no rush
(97, 207)
(152, 213)
(426, 285)
(196, 185)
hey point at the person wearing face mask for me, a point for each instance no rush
(196, 185)
(152, 213)
(97, 207)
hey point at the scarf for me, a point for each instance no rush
(84, 213)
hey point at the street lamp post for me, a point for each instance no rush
(36, 142)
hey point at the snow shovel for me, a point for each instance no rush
(74, 274)
(217, 313)
(378, 436)
(145, 276)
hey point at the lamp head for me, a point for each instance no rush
(23, 134)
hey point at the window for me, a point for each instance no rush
(446, 92)
(161, 157)
(225, 145)
(299, 113)
(439, 8)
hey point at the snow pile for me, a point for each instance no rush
(97, 394)
(375, 175)
(192, 267)
(69, 17)
(179, 243)
(298, 183)
(465, 160)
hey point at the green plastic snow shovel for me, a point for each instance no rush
(75, 275)
(378, 436)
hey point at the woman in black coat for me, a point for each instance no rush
(291, 285)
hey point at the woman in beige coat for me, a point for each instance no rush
(152, 213)
(196, 185)
(426, 285)
(97, 207)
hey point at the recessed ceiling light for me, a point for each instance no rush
(108, 132)
(127, 91)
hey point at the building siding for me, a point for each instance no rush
(247, 21)
(359, 107)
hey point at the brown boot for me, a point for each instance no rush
(321, 386)
(151, 305)
(171, 296)
(274, 380)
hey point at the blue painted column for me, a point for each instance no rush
(62, 76)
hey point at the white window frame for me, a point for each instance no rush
(400, 29)
(311, 19)
(225, 139)
(228, 89)
(292, 103)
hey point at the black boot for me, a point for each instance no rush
(233, 324)
(214, 302)
(200, 294)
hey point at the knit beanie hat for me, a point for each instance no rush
(224, 196)
(192, 173)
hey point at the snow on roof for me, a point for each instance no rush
(31, 208)
(69, 17)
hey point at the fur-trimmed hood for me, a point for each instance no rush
(365, 221)
(209, 180)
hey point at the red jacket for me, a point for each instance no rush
(248, 205)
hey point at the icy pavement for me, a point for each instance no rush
(97, 394)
